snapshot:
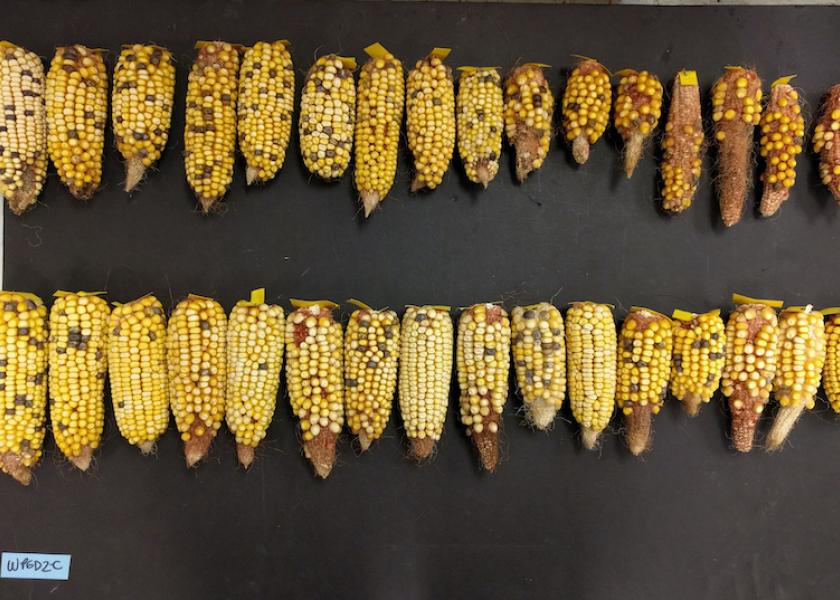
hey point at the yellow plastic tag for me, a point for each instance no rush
(684, 315)
(257, 296)
(644, 309)
(471, 69)
(27, 295)
(733, 68)
(197, 297)
(6, 44)
(349, 62)
(329, 305)
(688, 77)
(440, 53)
(831, 310)
(797, 309)
(741, 299)
(377, 50)
(359, 304)
(64, 294)
(538, 65)
(782, 80)
(115, 303)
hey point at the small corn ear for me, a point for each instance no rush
(528, 110)
(480, 123)
(697, 360)
(638, 106)
(586, 106)
(782, 136)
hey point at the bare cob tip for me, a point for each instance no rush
(638, 425)
(83, 460)
(146, 448)
(416, 185)
(370, 200)
(589, 438)
(12, 465)
(245, 454)
(364, 441)
(632, 153)
(134, 172)
(482, 173)
(541, 414)
(420, 449)
(196, 448)
(743, 430)
(207, 204)
(21, 201)
(785, 420)
(83, 193)
(580, 149)
(692, 403)
(487, 444)
(771, 201)
(321, 453)
(251, 175)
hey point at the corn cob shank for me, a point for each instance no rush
(210, 130)
(197, 372)
(586, 106)
(77, 110)
(23, 383)
(137, 366)
(831, 371)
(78, 361)
(782, 136)
(327, 116)
(144, 86)
(528, 109)
(682, 145)
(698, 358)
(638, 106)
(480, 122)
(826, 134)
(23, 132)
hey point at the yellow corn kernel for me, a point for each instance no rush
(697, 360)
(586, 106)
(831, 371)
(480, 122)
(638, 106)
(77, 110)
(825, 134)
(528, 109)
(682, 146)
(782, 136)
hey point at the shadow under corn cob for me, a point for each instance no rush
(697, 359)
(528, 110)
(586, 106)
(682, 144)
(638, 106)
(480, 122)
(782, 136)
(826, 138)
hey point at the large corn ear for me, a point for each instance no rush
(528, 110)
(638, 106)
(827, 141)
(682, 144)
(480, 122)
(586, 106)
(782, 136)
(698, 358)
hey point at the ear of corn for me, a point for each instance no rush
(638, 106)
(644, 367)
(698, 358)
(77, 110)
(315, 380)
(255, 339)
(197, 372)
(371, 352)
(826, 133)
(801, 357)
(430, 119)
(23, 383)
(78, 355)
(210, 130)
(426, 343)
(586, 106)
(591, 367)
(137, 366)
(539, 356)
(327, 116)
(23, 130)
(144, 86)
(528, 110)
(682, 144)
(379, 113)
(736, 110)
(782, 136)
(480, 122)
(831, 371)
(265, 105)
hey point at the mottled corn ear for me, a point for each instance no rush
(265, 105)
(78, 357)
(586, 106)
(782, 136)
(638, 106)
(327, 117)
(144, 86)
(77, 110)
(137, 371)
(697, 360)
(831, 372)
(826, 133)
(682, 145)
(528, 109)
(23, 128)
(480, 122)
(23, 383)
(210, 130)
(197, 372)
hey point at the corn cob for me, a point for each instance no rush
(265, 105)
(479, 122)
(430, 119)
(586, 106)
(697, 359)
(828, 127)
(255, 338)
(197, 372)
(210, 130)
(483, 359)
(801, 357)
(682, 144)
(144, 86)
(137, 366)
(327, 116)
(315, 380)
(23, 132)
(736, 110)
(371, 351)
(644, 367)
(831, 371)
(23, 383)
(379, 113)
(528, 110)
(638, 106)
(77, 110)
(782, 136)
(752, 336)
(426, 342)
(78, 360)
(539, 355)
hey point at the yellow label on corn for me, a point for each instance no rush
(684, 315)
(831, 310)
(6, 44)
(782, 80)
(440, 53)
(27, 295)
(741, 299)
(797, 309)
(328, 304)
(257, 297)
(359, 304)
(471, 69)
(688, 77)
(115, 303)
(377, 50)
(733, 68)
(198, 297)
(349, 62)
(63, 293)
(645, 309)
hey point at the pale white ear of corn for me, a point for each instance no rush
(480, 122)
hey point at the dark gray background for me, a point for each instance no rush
(690, 520)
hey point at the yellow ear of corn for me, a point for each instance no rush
(752, 336)
(782, 136)
(697, 360)
(826, 133)
(831, 371)
(210, 130)
(638, 106)
(137, 367)
(327, 117)
(426, 344)
(483, 359)
(315, 381)
(801, 357)
(480, 122)
(644, 367)
(77, 110)
(586, 106)
(682, 145)
(265, 105)
(23, 383)
(528, 109)
(255, 339)
(371, 352)
(591, 367)
(144, 86)
(539, 355)
(23, 130)
(197, 372)
(78, 358)
(379, 113)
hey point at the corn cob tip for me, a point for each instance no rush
(580, 149)
(146, 448)
(421, 449)
(196, 448)
(245, 454)
(207, 204)
(692, 403)
(12, 464)
(370, 200)
(633, 153)
(134, 172)
(320, 451)
(589, 438)
(782, 425)
(487, 444)
(483, 174)
(83, 460)
(541, 413)
(771, 201)
(743, 429)
(252, 175)
(20, 202)
(638, 424)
